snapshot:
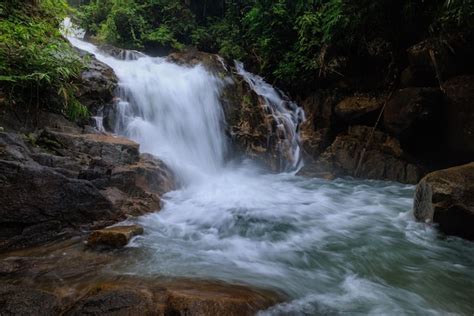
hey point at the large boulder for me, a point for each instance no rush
(358, 109)
(135, 296)
(96, 85)
(56, 182)
(434, 60)
(446, 197)
(383, 158)
(414, 115)
(459, 114)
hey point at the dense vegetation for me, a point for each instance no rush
(37, 65)
(296, 42)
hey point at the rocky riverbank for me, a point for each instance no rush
(64, 278)
(62, 182)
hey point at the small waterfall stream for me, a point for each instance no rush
(286, 113)
(334, 247)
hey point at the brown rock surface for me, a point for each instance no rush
(459, 113)
(113, 237)
(383, 159)
(358, 108)
(446, 197)
(55, 182)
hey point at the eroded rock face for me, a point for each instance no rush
(414, 111)
(54, 182)
(357, 109)
(252, 128)
(96, 85)
(383, 159)
(460, 114)
(446, 197)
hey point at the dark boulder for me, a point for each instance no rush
(437, 60)
(446, 197)
(414, 115)
(459, 115)
(383, 158)
(54, 183)
(34, 195)
(96, 85)
(358, 109)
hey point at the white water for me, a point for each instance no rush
(286, 114)
(342, 247)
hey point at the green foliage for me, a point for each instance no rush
(138, 23)
(35, 61)
(295, 42)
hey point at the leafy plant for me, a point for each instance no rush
(35, 61)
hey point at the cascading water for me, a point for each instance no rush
(172, 111)
(286, 114)
(335, 247)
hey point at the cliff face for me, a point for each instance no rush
(423, 121)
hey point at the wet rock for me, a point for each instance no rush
(96, 85)
(459, 114)
(357, 109)
(413, 76)
(113, 237)
(115, 302)
(213, 63)
(128, 296)
(447, 58)
(216, 299)
(111, 149)
(53, 183)
(16, 300)
(446, 197)
(34, 195)
(253, 130)
(383, 159)
(415, 116)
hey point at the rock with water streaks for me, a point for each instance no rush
(96, 84)
(446, 197)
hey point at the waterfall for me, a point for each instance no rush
(172, 111)
(286, 114)
(334, 247)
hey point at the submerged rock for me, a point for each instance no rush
(446, 197)
(138, 296)
(114, 237)
(18, 300)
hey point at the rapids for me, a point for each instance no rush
(333, 247)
